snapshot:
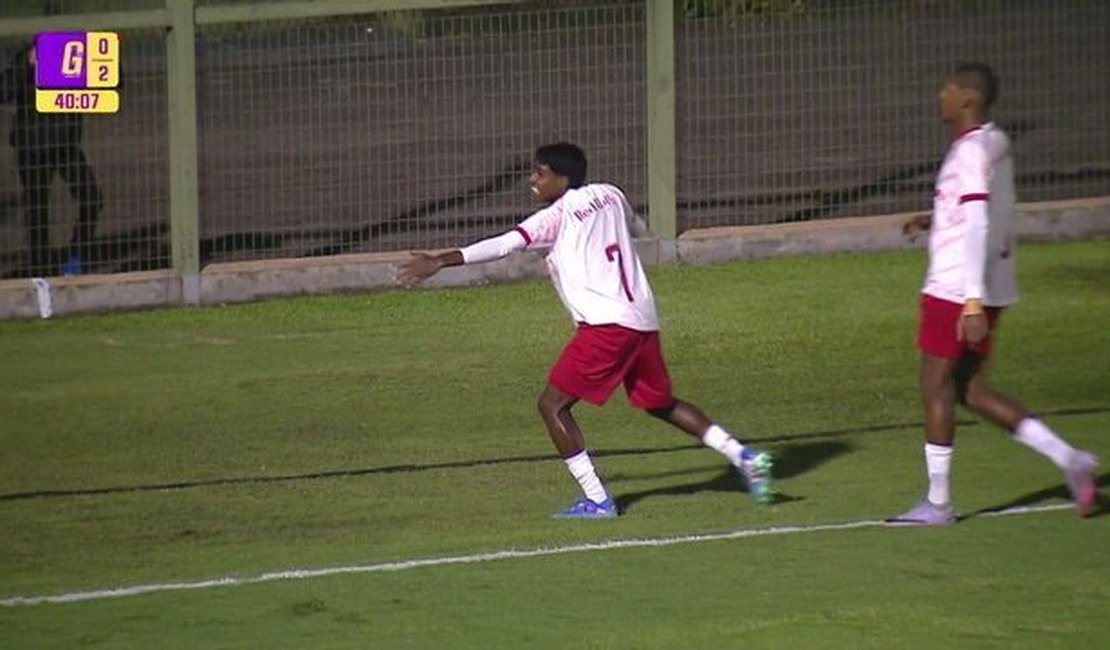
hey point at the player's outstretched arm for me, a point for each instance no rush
(423, 266)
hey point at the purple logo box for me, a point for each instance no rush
(61, 60)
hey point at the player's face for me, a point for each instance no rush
(546, 184)
(951, 101)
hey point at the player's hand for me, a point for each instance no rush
(972, 328)
(916, 225)
(420, 267)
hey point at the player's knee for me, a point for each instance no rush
(966, 380)
(543, 404)
(548, 404)
(663, 413)
(975, 396)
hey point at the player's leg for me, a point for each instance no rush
(753, 464)
(555, 409)
(939, 407)
(941, 351)
(692, 420)
(77, 174)
(935, 383)
(589, 368)
(649, 388)
(1078, 466)
(974, 392)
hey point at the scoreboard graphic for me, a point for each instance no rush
(77, 72)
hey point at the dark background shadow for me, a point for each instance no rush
(790, 460)
(1047, 494)
(793, 457)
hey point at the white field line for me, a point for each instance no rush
(493, 556)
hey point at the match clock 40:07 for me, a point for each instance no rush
(77, 101)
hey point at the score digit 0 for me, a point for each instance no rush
(103, 57)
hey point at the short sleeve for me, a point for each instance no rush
(974, 171)
(542, 227)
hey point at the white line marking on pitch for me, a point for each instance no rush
(402, 565)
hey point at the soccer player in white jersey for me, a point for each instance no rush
(970, 280)
(599, 277)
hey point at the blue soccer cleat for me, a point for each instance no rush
(72, 266)
(755, 467)
(586, 509)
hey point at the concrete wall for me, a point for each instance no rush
(246, 281)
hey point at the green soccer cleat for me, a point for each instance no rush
(755, 466)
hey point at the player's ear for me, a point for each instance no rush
(971, 98)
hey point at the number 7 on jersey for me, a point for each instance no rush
(613, 254)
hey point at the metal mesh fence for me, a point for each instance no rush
(86, 193)
(829, 108)
(415, 129)
(389, 131)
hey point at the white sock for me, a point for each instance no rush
(582, 469)
(717, 438)
(1033, 433)
(938, 462)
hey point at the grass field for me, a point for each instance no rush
(182, 445)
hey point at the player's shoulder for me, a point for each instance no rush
(548, 211)
(970, 150)
(989, 140)
(608, 188)
(608, 194)
(596, 194)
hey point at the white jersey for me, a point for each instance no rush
(979, 166)
(592, 261)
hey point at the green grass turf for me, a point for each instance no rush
(812, 352)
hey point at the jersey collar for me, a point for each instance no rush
(978, 127)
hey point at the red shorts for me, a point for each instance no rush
(599, 357)
(936, 334)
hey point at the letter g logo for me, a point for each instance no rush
(72, 58)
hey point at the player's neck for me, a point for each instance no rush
(966, 124)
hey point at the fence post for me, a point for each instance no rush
(182, 107)
(661, 152)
